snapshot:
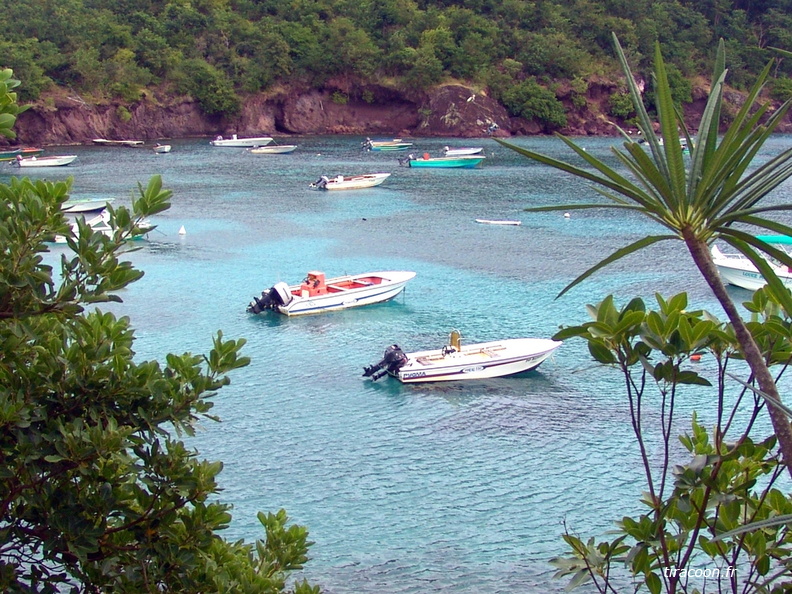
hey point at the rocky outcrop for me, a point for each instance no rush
(342, 107)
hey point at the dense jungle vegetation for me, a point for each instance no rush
(218, 50)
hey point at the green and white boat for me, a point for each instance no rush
(461, 161)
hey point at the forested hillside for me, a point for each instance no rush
(219, 50)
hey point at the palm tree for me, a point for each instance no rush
(701, 200)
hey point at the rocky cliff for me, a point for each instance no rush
(342, 108)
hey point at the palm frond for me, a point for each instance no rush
(707, 141)
(610, 178)
(644, 121)
(618, 254)
(667, 115)
(748, 216)
(557, 207)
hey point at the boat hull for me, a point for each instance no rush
(477, 361)
(106, 142)
(498, 222)
(387, 145)
(25, 152)
(275, 149)
(242, 142)
(85, 207)
(353, 182)
(462, 152)
(463, 162)
(60, 161)
(391, 147)
(748, 279)
(369, 288)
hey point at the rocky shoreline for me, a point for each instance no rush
(446, 111)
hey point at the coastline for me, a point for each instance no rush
(451, 111)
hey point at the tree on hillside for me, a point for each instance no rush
(98, 493)
(708, 198)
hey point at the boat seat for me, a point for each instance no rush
(334, 288)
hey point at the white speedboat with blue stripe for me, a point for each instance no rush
(454, 361)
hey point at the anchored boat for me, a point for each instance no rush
(737, 270)
(460, 161)
(53, 161)
(349, 182)
(397, 144)
(317, 294)
(457, 362)
(234, 141)
(462, 151)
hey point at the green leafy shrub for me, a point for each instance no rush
(210, 87)
(532, 101)
(123, 114)
(339, 98)
(620, 105)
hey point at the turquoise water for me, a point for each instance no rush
(459, 487)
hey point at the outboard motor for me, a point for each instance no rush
(393, 360)
(321, 183)
(272, 298)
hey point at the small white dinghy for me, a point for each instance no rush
(317, 294)
(456, 362)
(498, 222)
(274, 149)
(462, 151)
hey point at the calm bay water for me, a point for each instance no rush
(460, 487)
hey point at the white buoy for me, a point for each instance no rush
(566, 216)
(182, 231)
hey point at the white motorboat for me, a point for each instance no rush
(274, 149)
(51, 161)
(161, 149)
(101, 224)
(454, 361)
(234, 141)
(106, 142)
(737, 270)
(462, 151)
(498, 222)
(317, 294)
(397, 144)
(349, 182)
(85, 207)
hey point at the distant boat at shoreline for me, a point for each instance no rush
(106, 142)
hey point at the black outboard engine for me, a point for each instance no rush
(272, 298)
(321, 183)
(393, 360)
